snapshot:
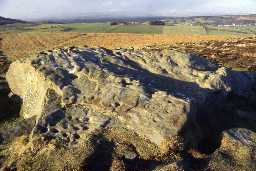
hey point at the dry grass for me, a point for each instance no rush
(19, 45)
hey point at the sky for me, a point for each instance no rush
(67, 9)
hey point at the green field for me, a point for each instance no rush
(184, 29)
(177, 29)
(100, 28)
(243, 30)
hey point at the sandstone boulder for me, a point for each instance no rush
(154, 94)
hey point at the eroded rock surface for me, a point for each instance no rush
(158, 101)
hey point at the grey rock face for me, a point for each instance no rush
(159, 95)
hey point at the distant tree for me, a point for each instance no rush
(114, 23)
(157, 23)
(67, 29)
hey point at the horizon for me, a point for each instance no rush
(107, 18)
(34, 10)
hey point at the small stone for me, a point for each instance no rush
(131, 155)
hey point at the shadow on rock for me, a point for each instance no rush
(104, 157)
(101, 159)
(10, 104)
(217, 116)
(189, 163)
(140, 164)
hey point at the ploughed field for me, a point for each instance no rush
(231, 51)
(18, 45)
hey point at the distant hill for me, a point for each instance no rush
(213, 20)
(223, 20)
(5, 21)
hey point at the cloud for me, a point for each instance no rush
(38, 9)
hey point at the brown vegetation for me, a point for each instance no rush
(235, 53)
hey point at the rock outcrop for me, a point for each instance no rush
(168, 100)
